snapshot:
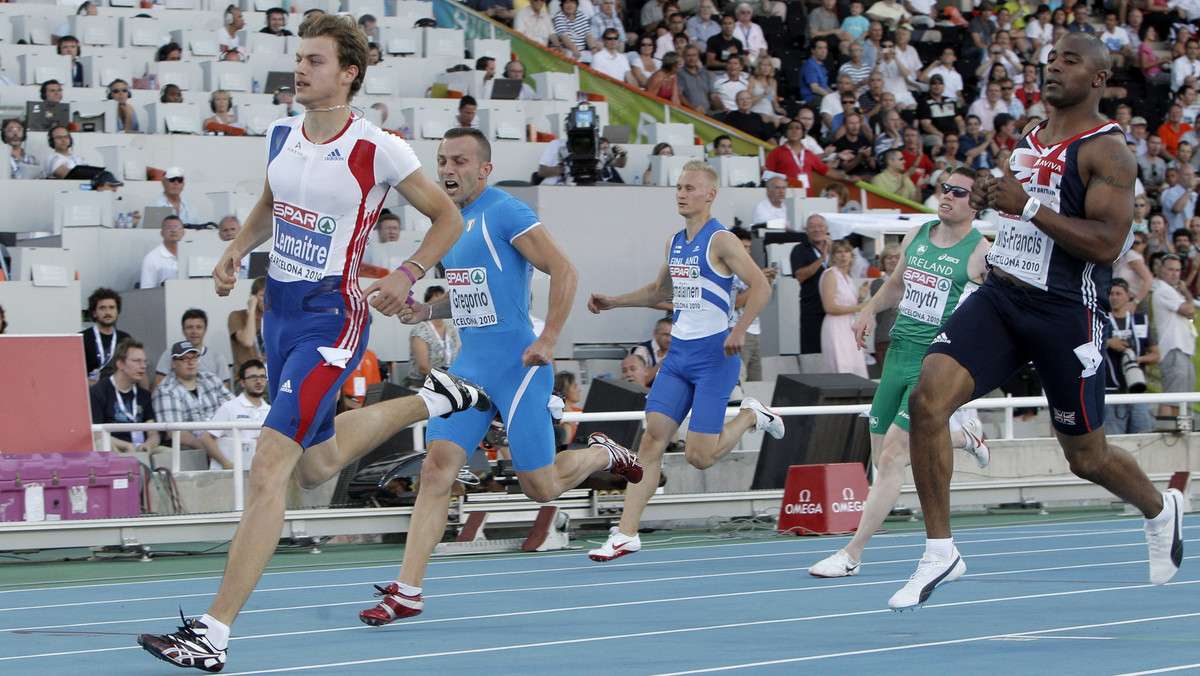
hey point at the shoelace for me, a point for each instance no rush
(186, 631)
(382, 591)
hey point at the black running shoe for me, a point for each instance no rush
(188, 647)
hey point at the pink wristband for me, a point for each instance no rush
(412, 279)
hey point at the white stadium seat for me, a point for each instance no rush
(38, 69)
(98, 31)
(228, 75)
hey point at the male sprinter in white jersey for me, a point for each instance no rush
(940, 258)
(704, 361)
(327, 175)
(1065, 203)
(488, 273)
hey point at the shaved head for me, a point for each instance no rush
(1090, 47)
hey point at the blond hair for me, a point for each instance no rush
(352, 48)
(704, 168)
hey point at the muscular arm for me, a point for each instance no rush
(729, 250)
(658, 291)
(540, 249)
(420, 191)
(888, 296)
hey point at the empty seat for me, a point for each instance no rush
(99, 71)
(175, 118)
(232, 76)
(444, 43)
(265, 43)
(197, 42)
(36, 69)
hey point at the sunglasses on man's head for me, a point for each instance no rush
(957, 191)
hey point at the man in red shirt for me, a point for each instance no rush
(913, 152)
(796, 162)
(1173, 129)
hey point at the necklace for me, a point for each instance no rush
(326, 110)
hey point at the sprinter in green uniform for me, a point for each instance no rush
(940, 258)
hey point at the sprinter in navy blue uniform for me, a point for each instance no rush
(1066, 204)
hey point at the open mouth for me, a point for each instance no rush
(450, 185)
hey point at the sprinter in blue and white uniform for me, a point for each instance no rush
(327, 174)
(701, 368)
(1066, 204)
(488, 273)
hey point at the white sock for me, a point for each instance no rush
(1164, 517)
(436, 403)
(940, 549)
(408, 590)
(218, 633)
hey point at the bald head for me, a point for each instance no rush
(1089, 46)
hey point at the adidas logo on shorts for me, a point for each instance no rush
(286, 386)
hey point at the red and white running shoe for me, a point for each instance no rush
(617, 545)
(624, 461)
(394, 606)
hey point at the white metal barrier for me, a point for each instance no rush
(1179, 399)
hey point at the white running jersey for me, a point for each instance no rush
(328, 196)
(702, 296)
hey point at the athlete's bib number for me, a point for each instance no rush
(470, 298)
(303, 241)
(685, 281)
(1023, 251)
(925, 296)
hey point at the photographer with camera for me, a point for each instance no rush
(1130, 349)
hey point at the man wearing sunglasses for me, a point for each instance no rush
(942, 258)
(172, 196)
(1066, 203)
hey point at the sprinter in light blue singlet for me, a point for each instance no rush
(701, 367)
(488, 272)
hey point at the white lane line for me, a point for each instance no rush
(1164, 670)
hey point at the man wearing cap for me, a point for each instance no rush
(188, 394)
(105, 180)
(162, 263)
(172, 196)
(249, 406)
(939, 114)
(1138, 135)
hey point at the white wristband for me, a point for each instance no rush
(1031, 209)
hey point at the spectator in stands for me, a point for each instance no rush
(722, 146)
(695, 85)
(1117, 40)
(249, 406)
(890, 13)
(726, 86)
(515, 70)
(1080, 24)
(764, 92)
(870, 102)
(21, 163)
(612, 62)
(60, 162)
(51, 91)
(1173, 313)
(845, 205)
(745, 120)
(794, 160)
(891, 136)
(487, 65)
(652, 14)
(106, 181)
(1186, 66)
(68, 45)
(831, 103)
(814, 79)
(856, 25)
(939, 114)
(221, 105)
(1038, 31)
(988, 106)
(189, 394)
(841, 302)
(1173, 129)
(276, 22)
(612, 157)
(723, 46)
(895, 179)
(466, 112)
(101, 340)
(946, 155)
(566, 385)
(855, 150)
(914, 156)
(574, 30)
(162, 263)
(607, 17)
(433, 343)
(387, 229)
(232, 22)
(354, 390)
(1130, 331)
(120, 399)
(127, 121)
(771, 208)
(809, 259)
(1004, 137)
(374, 54)
(663, 149)
(643, 62)
(703, 25)
(535, 23)
(228, 228)
(86, 9)
(856, 69)
(1179, 200)
(195, 329)
(1152, 167)
(895, 74)
(981, 30)
(171, 93)
(634, 370)
(823, 23)
(245, 326)
(973, 145)
(666, 42)
(951, 79)
(664, 83)
(172, 196)
(750, 33)
(501, 10)
(169, 52)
